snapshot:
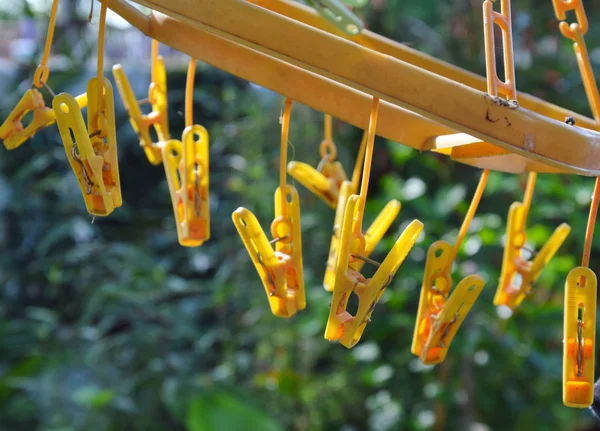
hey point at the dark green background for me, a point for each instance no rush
(114, 326)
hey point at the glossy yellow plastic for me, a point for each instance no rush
(13, 132)
(519, 274)
(325, 182)
(91, 151)
(330, 270)
(187, 170)
(580, 337)
(561, 7)
(281, 269)
(439, 317)
(158, 118)
(372, 237)
(341, 325)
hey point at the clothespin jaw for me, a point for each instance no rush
(440, 317)
(372, 237)
(104, 143)
(187, 171)
(158, 118)
(519, 274)
(330, 270)
(579, 337)
(324, 182)
(341, 325)
(336, 12)
(13, 132)
(281, 269)
(95, 168)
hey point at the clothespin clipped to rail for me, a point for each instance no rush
(157, 97)
(92, 150)
(518, 274)
(579, 343)
(13, 132)
(281, 269)
(337, 13)
(341, 325)
(186, 165)
(440, 313)
(327, 179)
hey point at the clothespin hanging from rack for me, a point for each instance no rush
(341, 325)
(13, 132)
(374, 233)
(281, 269)
(157, 97)
(92, 150)
(340, 15)
(186, 165)
(518, 274)
(579, 343)
(327, 179)
(440, 313)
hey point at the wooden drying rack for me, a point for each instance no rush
(426, 104)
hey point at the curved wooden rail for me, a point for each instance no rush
(420, 108)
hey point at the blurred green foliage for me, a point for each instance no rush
(114, 326)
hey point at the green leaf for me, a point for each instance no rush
(219, 410)
(93, 397)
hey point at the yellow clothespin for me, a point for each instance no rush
(440, 314)
(13, 132)
(341, 325)
(518, 274)
(93, 157)
(375, 232)
(157, 97)
(327, 179)
(281, 269)
(187, 170)
(580, 287)
(580, 336)
(373, 235)
(92, 150)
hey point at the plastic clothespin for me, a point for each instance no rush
(187, 170)
(341, 325)
(439, 316)
(519, 274)
(13, 132)
(186, 167)
(373, 236)
(327, 179)
(157, 97)
(580, 335)
(336, 12)
(92, 150)
(281, 269)
(580, 287)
